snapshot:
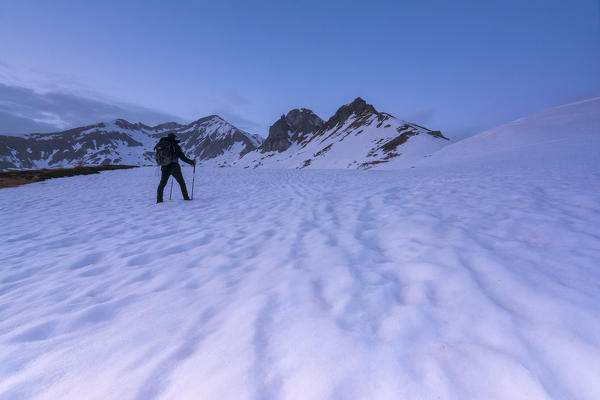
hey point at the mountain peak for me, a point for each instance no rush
(278, 138)
(298, 111)
(358, 107)
(303, 119)
(210, 118)
(167, 126)
(124, 124)
(292, 127)
(359, 101)
(121, 122)
(356, 136)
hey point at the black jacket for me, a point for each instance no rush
(177, 150)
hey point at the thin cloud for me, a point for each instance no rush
(24, 110)
(234, 108)
(240, 122)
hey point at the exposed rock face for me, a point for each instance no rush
(121, 142)
(356, 136)
(278, 139)
(303, 122)
(291, 128)
(358, 107)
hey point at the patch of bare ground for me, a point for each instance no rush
(306, 163)
(323, 151)
(17, 178)
(397, 141)
(369, 164)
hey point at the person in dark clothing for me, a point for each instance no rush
(173, 169)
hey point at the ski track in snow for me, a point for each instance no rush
(301, 285)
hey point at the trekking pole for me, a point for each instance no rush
(193, 178)
(171, 188)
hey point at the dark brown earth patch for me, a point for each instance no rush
(323, 150)
(306, 163)
(369, 164)
(391, 155)
(17, 178)
(397, 141)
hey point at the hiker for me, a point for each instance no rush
(168, 153)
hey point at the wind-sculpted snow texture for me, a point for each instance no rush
(286, 284)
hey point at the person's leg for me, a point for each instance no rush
(164, 178)
(179, 178)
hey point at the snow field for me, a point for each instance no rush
(285, 284)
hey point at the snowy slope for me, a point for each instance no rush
(356, 137)
(302, 285)
(210, 139)
(214, 141)
(564, 137)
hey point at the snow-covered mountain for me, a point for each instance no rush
(563, 137)
(212, 140)
(357, 136)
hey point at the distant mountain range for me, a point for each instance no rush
(356, 136)
(210, 139)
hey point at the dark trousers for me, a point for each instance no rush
(168, 170)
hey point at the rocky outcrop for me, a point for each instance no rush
(303, 123)
(279, 137)
(294, 127)
(356, 136)
(358, 107)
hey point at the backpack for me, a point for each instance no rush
(165, 154)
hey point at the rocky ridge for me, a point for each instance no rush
(212, 140)
(356, 136)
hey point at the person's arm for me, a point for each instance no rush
(180, 154)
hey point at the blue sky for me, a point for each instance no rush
(457, 66)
